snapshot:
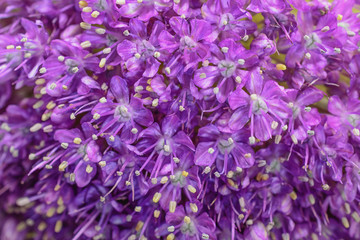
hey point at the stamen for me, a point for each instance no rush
(224, 49)
(95, 14)
(77, 140)
(134, 131)
(356, 132)
(308, 56)
(216, 90)
(238, 79)
(171, 229)
(85, 25)
(356, 217)
(156, 197)
(64, 145)
(87, 9)
(274, 125)
(167, 70)
(102, 62)
(156, 54)
(172, 206)
(278, 139)
(138, 209)
(96, 116)
(191, 189)
(325, 29)
(337, 50)
(194, 207)
(203, 75)
(120, 2)
(126, 33)
(207, 170)
(241, 61)
(137, 55)
(281, 67)
(156, 213)
(63, 165)
(339, 17)
(293, 195)
(251, 140)
(154, 181)
(100, 31)
(345, 222)
(187, 220)
(171, 236)
(36, 127)
(176, 160)
(164, 180)
(211, 150)
(42, 70)
(181, 108)
(89, 169)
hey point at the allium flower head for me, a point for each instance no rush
(179, 119)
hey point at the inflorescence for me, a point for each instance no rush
(179, 119)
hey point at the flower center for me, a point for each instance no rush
(122, 112)
(258, 104)
(187, 42)
(227, 68)
(226, 145)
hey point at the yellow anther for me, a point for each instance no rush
(77, 140)
(50, 212)
(345, 222)
(194, 207)
(89, 169)
(63, 165)
(83, 4)
(156, 214)
(171, 236)
(339, 17)
(187, 220)
(139, 226)
(191, 189)
(184, 173)
(102, 62)
(156, 197)
(42, 226)
(95, 14)
(85, 44)
(172, 206)
(87, 9)
(58, 226)
(293, 195)
(36, 127)
(281, 67)
(50, 105)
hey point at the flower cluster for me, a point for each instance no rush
(179, 119)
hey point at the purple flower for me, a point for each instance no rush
(263, 106)
(229, 151)
(225, 72)
(120, 112)
(190, 44)
(142, 55)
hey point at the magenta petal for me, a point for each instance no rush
(119, 89)
(82, 174)
(180, 26)
(67, 136)
(126, 49)
(255, 83)
(238, 98)
(202, 155)
(212, 75)
(183, 139)
(239, 118)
